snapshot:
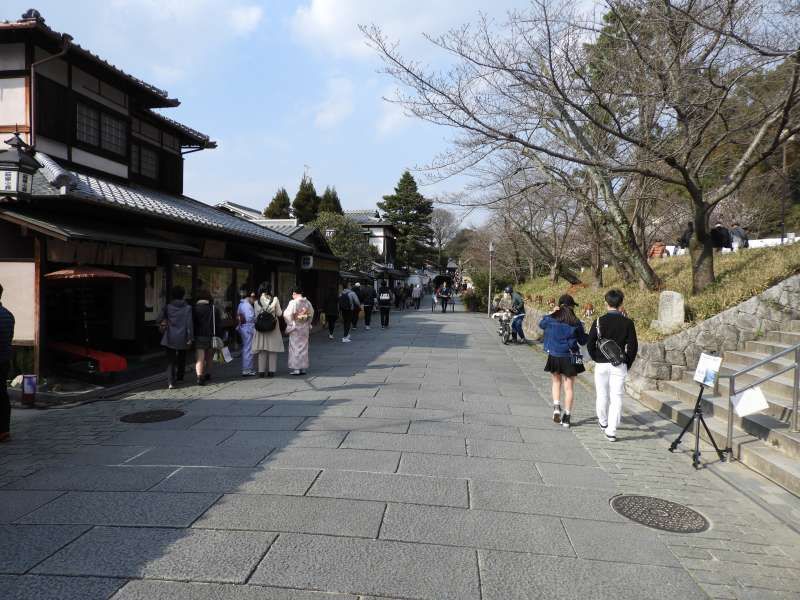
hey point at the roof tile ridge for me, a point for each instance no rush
(56, 175)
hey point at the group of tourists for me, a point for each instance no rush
(408, 296)
(612, 345)
(186, 327)
(351, 302)
(723, 238)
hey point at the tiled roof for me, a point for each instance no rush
(203, 140)
(49, 180)
(282, 229)
(365, 217)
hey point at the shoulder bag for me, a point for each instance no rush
(609, 348)
(216, 341)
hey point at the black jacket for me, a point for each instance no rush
(367, 295)
(720, 238)
(6, 334)
(384, 290)
(331, 305)
(614, 326)
(204, 320)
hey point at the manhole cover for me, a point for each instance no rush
(659, 514)
(152, 416)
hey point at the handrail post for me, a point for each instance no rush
(796, 392)
(731, 394)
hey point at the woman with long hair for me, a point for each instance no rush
(267, 344)
(563, 334)
(299, 315)
(206, 319)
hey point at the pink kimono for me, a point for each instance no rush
(299, 329)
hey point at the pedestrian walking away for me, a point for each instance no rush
(246, 317)
(612, 345)
(267, 339)
(177, 334)
(384, 303)
(720, 238)
(563, 336)
(416, 295)
(738, 237)
(349, 304)
(6, 338)
(356, 313)
(368, 297)
(205, 316)
(518, 310)
(331, 310)
(298, 314)
(685, 239)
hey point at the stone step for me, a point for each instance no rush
(749, 450)
(744, 358)
(784, 337)
(781, 387)
(794, 325)
(764, 346)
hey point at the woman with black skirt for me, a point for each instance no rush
(563, 333)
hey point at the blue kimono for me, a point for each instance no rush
(246, 329)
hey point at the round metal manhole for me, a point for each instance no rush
(659, 514)
(152, 416)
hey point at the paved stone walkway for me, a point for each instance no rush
(415, 463)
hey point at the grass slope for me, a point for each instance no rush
(739, 276)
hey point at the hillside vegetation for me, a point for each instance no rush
(739, 277)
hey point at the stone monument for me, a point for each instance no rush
(671, 313)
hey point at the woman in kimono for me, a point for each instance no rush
(267, 344)
(298, 315)
(246, 314)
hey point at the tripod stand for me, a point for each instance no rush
(697, 419)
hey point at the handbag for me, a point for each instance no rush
(576, 357)
(609, 348)
(216, 342)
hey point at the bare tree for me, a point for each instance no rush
(694, 95)
(444, 225)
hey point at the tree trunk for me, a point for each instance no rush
(701, 250)
(597, 266)
(554, 272)
(548, 257)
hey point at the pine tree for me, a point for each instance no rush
(280, 207)
(410, 212)
(330, 202)
(306, 201)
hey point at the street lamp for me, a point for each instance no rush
(17, 167)
(491, 257)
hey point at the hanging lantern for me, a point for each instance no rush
(17, 168)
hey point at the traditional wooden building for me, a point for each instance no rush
(107, 197)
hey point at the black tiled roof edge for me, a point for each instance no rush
(205, 140)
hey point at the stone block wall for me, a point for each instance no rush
(670, 358)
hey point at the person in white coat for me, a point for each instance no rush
(267, 344)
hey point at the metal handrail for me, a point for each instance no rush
(732, 391)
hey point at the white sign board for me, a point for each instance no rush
(707, 369)
(749, 402)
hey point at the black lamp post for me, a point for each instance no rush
(17, 167)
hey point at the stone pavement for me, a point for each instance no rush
(415, 463)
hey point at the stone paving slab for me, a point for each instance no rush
(476, 529)
(143, 509)
(228, 408)
(413, 414)
(564, 454)
(285, 439)
(391, 488)
(468, 467)
(182, 456)
(348, 424)
(101, 455)
(166, 437)
(376, 567)
(426, 444)
(333, 409)
(487, 432)
(174, 590)
(505, 576)
(180, 554)
(255, 480)
(571, 475)
(93, 479)
(326, 516)
(15, 504)
(544, 500)
(22, 547)
(623, 542)
(341, 459)
(248, 423)
(37, 587)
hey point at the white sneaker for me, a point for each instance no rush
(330, 336)
(346, 340)
(366, 327)
(295, 372)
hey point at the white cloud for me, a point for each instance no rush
(392, 116)
(245, 19)
(331, 26)
(338, 103)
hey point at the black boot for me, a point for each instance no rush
(271, 374)
(261, 375)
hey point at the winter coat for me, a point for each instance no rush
(180, 325)
(6, 334)
(331, 305)
(268, 341)
(204, 315)
(561, 339)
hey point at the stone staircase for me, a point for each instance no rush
(764, 442)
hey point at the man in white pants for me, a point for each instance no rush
(609, 380)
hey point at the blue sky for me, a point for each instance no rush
(281, 85)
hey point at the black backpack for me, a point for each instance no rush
(610, 349)
(265, 322)
(345, 301)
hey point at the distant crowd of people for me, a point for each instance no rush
(733, 238)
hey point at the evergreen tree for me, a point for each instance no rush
(306, 201)
(410, 212)
(280, 207)
(330, 202)
(347, 241)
